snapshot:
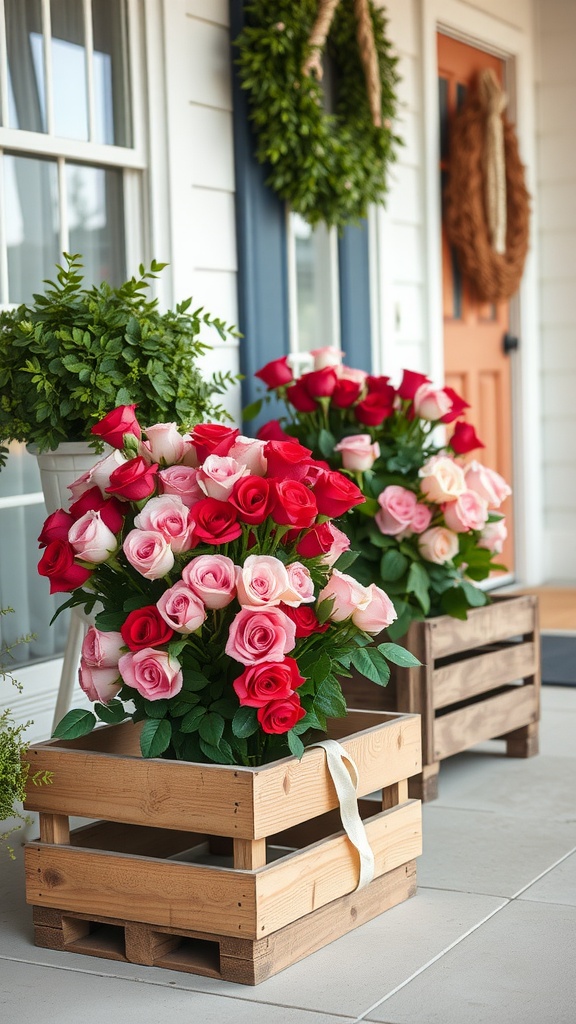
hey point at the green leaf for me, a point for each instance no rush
(245, 723)
(454, 603)
(181, 704)
(111, 713)
(251, 411)
(76, 723)
(419, 584)
(326, 443)
(329, 699)
(211, 728)
(195, 681)
(110, 622)
(295, 744)
(345, 560)
(324, 610)
(370, 663)
(156, 708)
(191, 721)
(398, 655)
(155, 737)
(321, 668)
(220, 755)
(476, 598)
(393, 565)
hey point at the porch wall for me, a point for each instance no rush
(556, 142)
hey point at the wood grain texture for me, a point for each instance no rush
(505, 618)
(482, 673)
(485, 720)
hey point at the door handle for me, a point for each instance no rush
(510, 343)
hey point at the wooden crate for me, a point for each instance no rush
(225, 871)
(479, 680)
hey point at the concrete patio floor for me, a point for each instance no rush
(490, 937)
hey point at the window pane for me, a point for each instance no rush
(69, 69)
(26, 92)
(20, 585)
(31, 217)
(111, 88)
(316, 286)
(96, 221)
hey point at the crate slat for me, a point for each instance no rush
(481, 673)
(495, 716)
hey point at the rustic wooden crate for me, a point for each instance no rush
(226, 871)
(479, 680)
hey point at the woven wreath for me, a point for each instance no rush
(495, 275)
(328, 166)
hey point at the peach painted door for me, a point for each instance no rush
(476, 339)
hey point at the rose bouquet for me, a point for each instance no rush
(430, 527)
(223, 616)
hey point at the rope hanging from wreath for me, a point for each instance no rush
(329, 165)
(486, 203)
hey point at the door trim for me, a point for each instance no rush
(514, 45)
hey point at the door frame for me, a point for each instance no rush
(514, 46)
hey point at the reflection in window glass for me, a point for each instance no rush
(31, 218)
(95, 204)
(316, 285)
(69, 69)
(26, 90)
(111, 92)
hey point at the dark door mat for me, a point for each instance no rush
(558, 660)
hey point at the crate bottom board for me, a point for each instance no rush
(245, 961)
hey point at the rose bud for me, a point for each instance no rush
(275, 373)
(115, 424)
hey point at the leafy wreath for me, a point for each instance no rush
(328, 166)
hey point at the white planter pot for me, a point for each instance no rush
(62, 467)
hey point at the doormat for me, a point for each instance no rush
(558, 660)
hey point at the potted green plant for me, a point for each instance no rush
(76, 352)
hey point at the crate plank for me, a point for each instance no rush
(481, 673)
(484, 720)
(487, 625)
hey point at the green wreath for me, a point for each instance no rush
(328, 166)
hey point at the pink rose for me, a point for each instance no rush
(212, 578)
(353, 375)
(101, 649)
(149, 553)
(249, 452)
(99, 683)
(260, 635)
(181, 608)
(438, 545)
(358, 452)
(164, 443)
(493, 536)
(442, 479)
(301, 585)
(261, 582)
(98, 476)
(326, 356)
(421, 519)
(431, 403)
(183, 482)
(219, 474)
(397, 510)
(167, 514)
(348, 596)
(377, 615)
(91, 539)
(153, 673)
(339, 544)
(487, 483)
(468, 512)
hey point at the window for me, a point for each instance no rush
(71, 166)
(314, 287)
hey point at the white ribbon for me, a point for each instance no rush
(346, 786)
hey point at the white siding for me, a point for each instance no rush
(556, 141)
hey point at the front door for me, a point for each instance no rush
(475, 360)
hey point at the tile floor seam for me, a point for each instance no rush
(429, 963)
(543, 874)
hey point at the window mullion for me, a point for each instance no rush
(47, 40)
(3, 66)
(63, 206)
(292, 284)
(3, 243)
(89, 49)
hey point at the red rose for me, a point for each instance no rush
(252, 499)
(335, 494)
(410, 383)
(377, 384)
(56, 527)
(305, 620)
(272, 431)
(215, 521)
(345, 393)
(288, 460)
(276, 373)
(213, 439)
(57, 563)
(145, 627)
(280, 716)
(464, 438)
(316, 541)
(375, 408)
(133, 480)
(115, 424)
(300, 399)
(111, 509)
(266, 681)
(458, 406)
(320, 383)
(294, 504)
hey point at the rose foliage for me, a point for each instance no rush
(225, 615)
(431, 525)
